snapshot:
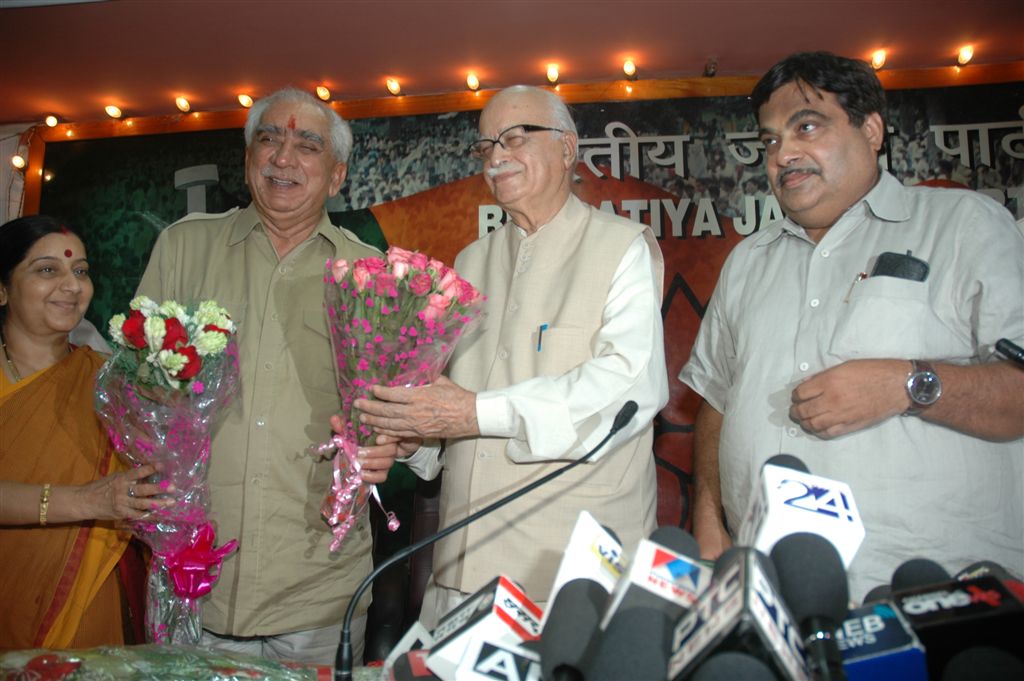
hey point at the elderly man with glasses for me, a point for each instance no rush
(572, 331)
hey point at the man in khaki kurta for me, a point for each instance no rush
(572, 331)
(283, 593)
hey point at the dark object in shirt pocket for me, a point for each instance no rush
(900, 266)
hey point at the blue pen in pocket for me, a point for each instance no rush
(540, 335)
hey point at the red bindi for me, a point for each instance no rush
(67, 253)
(291, 122)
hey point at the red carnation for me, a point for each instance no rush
(133, 329)
(214, 327)
(194, 363)
(174, 334)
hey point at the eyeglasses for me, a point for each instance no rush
(509, 138)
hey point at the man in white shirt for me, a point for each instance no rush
(859, 334)
(572, 331)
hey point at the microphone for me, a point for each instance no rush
(954, 615)
(741, 611)
(788, 499)
(813, 583)
(593, 553)
(983, 662)
(343, 657)
(1007, 348)
(733, 666)
(988, 567)
(877, 644)
(661, 578)
(918, 572)
(570, 632)
(632, 647)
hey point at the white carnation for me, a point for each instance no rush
(144, 305)
(156, 329)
(172, 308)
(210, 343)
(209, 312)
(114, 328)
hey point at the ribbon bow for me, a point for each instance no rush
(194, 569)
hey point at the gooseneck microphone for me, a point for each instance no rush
(1010, 350)
(343, 658)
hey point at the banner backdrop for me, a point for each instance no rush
(691, 168)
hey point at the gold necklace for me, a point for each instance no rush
(10, 362)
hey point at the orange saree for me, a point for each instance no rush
(58, 584)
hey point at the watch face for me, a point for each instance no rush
(925, 388)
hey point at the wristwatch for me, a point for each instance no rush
(923, 387)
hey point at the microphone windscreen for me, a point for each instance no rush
(918, 572)
(676, 539)
(624, 416)
(983, 662)
(733, 666)
(984, 568)
(812, 578)
(570, 632)
(786, 461)
(726, 559)
(634, 646)
(879, 593)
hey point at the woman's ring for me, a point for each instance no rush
(131, 491)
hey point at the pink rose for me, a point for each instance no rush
(448, 285)
(396, 254)
(467, 294)
(437, 305)
(360, 275)
(385, 285)
(419, 261)
(400, 269)
(372, 265)
(437, 266)
(339, 269)
(421, 284)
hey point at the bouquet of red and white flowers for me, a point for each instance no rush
(173, 370)
(393, 321)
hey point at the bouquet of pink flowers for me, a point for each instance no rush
(393, 322)
(173, 370)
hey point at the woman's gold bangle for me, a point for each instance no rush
(44, 503)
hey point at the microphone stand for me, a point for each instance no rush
(343, 658)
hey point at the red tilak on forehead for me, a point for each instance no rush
(67, 253)
(291, 122)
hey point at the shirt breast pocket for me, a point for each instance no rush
(312, 353)
(892, 318)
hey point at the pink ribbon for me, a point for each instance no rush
(194, 569)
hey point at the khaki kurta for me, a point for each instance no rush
(559, 276)
(266, 490)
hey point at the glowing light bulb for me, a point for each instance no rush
(394, 87)
(629, 89)
(18, 161)
(182, 104)
(877, 59)
(245, 100)
(112, 111)
(47, 176)
(965, 55)
(629, 68)
(51, 121)
(552, 73)
(472, 82)
(322, 92)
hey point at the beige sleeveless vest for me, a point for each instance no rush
(559, 276)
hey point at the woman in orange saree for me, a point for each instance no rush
(61, 488)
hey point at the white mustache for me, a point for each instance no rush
(272, 172)
(504, 167)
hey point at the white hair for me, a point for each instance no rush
(340, 131)
(562, 119)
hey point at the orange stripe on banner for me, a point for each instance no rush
(515, 625)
